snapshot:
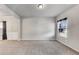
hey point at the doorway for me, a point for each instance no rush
(3, 32)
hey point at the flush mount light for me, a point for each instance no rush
(40, 6)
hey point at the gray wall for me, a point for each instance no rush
(12, 20)
(38, 28)
(73, 28)
(12, 26)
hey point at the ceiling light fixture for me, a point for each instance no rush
(40, 6)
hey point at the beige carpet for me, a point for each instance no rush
(34, 48)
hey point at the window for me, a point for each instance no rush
(62, 25)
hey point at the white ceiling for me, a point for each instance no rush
(4, 11)
(30, 10)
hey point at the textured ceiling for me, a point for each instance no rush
(30, 10)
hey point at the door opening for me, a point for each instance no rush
(4, 34)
